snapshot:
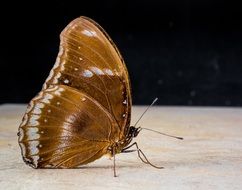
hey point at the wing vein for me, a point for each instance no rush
(75, 155)
(75, 38)
(85, 81)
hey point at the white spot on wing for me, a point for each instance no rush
(33, 147)
(83, 99)
(35, 158)
(66, 81)
(87, 73)
(58, 92)
(37, 108)
(108, 72)
(34, 120)
(97, 71)
(89, 33)
(46, 99)
(125, 102)
(32, 133)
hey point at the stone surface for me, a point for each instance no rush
(209, 157)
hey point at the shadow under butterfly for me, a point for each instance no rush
(83, 110)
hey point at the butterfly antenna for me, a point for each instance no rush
(180, 138)
(140, 128)
(145, 111)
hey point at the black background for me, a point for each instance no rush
(183, 52)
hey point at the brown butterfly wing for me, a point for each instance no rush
(84, 106)
(89, 61)
(62, 129)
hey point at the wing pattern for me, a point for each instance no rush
(89, 61)
(57, 127)
(84, 105)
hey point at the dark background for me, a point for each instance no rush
(184, 52)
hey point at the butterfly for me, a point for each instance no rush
(83, 110)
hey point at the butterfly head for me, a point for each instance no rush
(133, 131)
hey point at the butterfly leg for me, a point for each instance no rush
(114, 164)
(125, 150)
(129, 147)
(140, 152)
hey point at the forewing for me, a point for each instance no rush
(64, 128)
(89, 61)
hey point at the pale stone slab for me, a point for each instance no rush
(210, 156)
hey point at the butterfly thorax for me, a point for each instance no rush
(118, 146)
